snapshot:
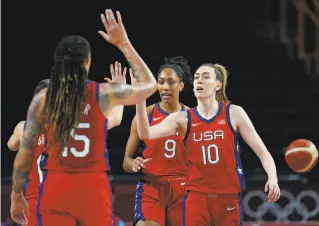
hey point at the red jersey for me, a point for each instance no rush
(86, 150)
(35, 176)
(213, 153)
(168, 154)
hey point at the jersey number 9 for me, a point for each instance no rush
(170, 148)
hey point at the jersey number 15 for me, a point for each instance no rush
(82, 138)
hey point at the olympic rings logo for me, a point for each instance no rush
(295, 204)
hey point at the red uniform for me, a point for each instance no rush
(216, 177)
(75, 186)
(32, 186)
(160, 197)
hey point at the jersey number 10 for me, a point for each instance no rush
(83, 138)
(207, 154)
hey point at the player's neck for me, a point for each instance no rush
(171, 107)
(207, 108)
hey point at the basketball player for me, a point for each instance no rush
(211, 132)
(72, 110)
(159, 198)
(32, 186)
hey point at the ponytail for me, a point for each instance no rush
(222, 76)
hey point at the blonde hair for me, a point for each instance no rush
(221, 75)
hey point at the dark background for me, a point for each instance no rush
(280, 98)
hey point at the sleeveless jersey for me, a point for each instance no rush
(35, 176)
(86, 149)
(168, 154)
(213, 153)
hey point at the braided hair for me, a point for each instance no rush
(67, 88)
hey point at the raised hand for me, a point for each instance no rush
(115, 30)
(133, 78)
(116, 73)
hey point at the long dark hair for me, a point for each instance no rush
(67, 88)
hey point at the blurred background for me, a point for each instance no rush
(270, 47)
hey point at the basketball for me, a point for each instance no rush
(301, 155)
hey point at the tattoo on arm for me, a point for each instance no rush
(24, 159)
(117, 90)
(121, 91)
(113, 90)
(139, 75)
(19, 180)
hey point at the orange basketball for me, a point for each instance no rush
(301, 155)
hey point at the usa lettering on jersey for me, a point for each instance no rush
(208, 135)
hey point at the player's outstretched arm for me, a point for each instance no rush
(175, 122)
(251, 137)
(14, 141)
(122, 94)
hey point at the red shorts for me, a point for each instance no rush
(32, 219)
(161, 202)
(204, 209)
(68, 198)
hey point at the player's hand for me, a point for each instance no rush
(273, 190)
(115, 30)
(117, 74)
(133, 78)
(19, 209)
(139, 163)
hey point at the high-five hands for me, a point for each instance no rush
(115, 30)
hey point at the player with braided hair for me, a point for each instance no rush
(73, 112)
(31, 188)
(160, 195)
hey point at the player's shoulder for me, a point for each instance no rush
(19, 126)
(39, 98)
(235, 108)
(236, 111)
(21, 123)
